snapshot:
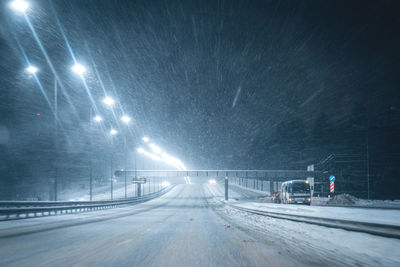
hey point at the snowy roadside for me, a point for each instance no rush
(326, 246)
(389, 217)
(240, 198)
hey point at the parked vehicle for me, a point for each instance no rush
(296, 192)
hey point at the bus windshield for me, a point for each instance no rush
(300, 188)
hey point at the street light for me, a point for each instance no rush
(78, 68)
(155, 148)
(32, 69)
(98, 118)
(145, 139)
(113, 132)
(19, 5)
(125, 119)
(140, 150)
(108, 101)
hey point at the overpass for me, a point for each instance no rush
(240, 177)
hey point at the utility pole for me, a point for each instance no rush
(226, 187)
(55, 139)
(368, 165)
(111, 172)
(125, 165)
(91, 181)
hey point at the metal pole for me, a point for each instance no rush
(55, 138)
(111, 186)
(368, 164)
(226, 187)
(55, 186)
(125, 167)
(91, 181)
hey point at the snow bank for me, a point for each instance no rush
(381, 216)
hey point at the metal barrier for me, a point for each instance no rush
(11, 210)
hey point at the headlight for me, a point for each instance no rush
(309, 199)
(212, 181)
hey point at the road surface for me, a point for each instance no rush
(186, 227)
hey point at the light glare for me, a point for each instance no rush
(165, 184)
(108, 101)
(155, 148)
(78, 69)
(19, 5)
(98, 118)
(145, 139)
(32, 69)
(125, 119)
(113, 132)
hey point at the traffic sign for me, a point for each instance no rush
(139, 180)
(332, 178)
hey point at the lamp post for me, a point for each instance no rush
(125, 119)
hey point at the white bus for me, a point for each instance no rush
(296, 192)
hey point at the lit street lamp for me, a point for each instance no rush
(78, 68)
(125, 119)
(113, 132)
(19, 5)
(32, 69)
(98, 119)
(145, 139)
(108, 101)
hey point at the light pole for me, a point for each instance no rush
(33, 70)
(97, 119)
(125, 119)
(79, 69)
(112, 133)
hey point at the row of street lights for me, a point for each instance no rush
(22, 6)
(156, 153)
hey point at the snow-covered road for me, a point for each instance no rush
(188, 226)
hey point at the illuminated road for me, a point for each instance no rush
(186, 227)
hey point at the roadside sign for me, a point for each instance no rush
(139, 180)
(332, 187)
(332, 178)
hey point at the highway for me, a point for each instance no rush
(188, 226)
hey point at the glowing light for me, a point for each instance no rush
(125, 119)
(165, 184)
(155, 148)
(212, 181)
(98, 118)
(32, 69)
(37, 114)
(145, 139)
(78, 68)
(19, 5)
(108, 101)
(161, 156)
(113, 132)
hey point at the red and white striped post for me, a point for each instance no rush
(332, 187)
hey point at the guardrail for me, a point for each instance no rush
(385, 230)
(12, 210)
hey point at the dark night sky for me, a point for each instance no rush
(220, 84)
